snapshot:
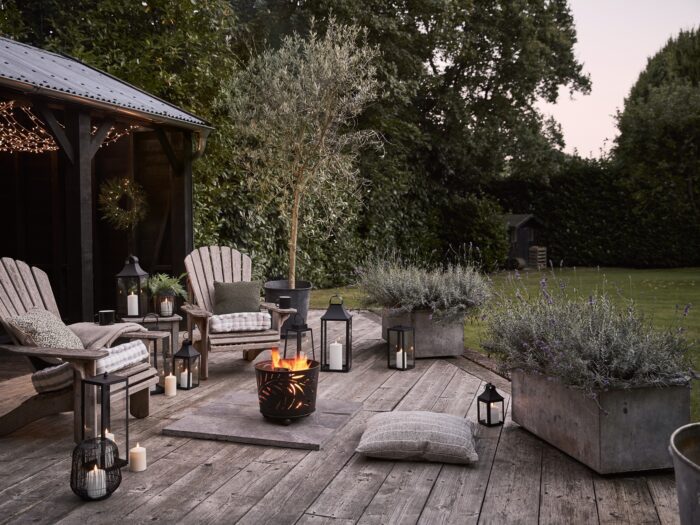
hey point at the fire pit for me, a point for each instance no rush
(287, 387)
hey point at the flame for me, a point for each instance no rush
(300, 362)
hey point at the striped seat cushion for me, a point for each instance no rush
(53, 378)
(240, 322)
(123, 355)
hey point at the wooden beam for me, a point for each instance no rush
(188, 192)
(176, 164)
(59, 134)
(99, 136)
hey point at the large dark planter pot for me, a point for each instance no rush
(300, 297)
(685, 450)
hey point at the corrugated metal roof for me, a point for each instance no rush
(61, 76)
(515, 220)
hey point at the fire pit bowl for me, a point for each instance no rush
(284, 393)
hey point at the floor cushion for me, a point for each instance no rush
(53, 378)
(41, 328)
(240, 322)
(419, 436)
(123, 355)
(231, 298)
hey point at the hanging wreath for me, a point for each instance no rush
(123, 203)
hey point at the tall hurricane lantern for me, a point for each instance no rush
(186, 365)
(401, 347)
(132, 300)
(299, 329)
(103, 385)
(336, 356)
(489, 408)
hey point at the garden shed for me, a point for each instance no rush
(65, 129)
(524, 232)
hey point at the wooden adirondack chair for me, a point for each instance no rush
(223, 264)
(23, 287)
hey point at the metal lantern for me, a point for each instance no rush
(333, 358)
(299, 329)
(489, 407)
(94, 475)
(186, 366)
(401, 347)
(104, 385)
(132, 300)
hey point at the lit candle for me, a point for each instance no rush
(170, 385)
(132, 305)
(137, 459)
(495, 410)
(96, 483)
(166, 307)
(400, 359)
(335, 357)
(183, 379)
(109, 456)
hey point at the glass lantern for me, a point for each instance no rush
(299, 329)
(186, 366)
(335, 356)
(489, 408)
(132, 300)
(401, 347)
(103, 386)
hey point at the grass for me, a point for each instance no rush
(657, 293)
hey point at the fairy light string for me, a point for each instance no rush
(22, 131)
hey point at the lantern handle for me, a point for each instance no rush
(340, 297)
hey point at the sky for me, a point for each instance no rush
(615, 39)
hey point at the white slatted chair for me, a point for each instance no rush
(22, 288)
(223, 264)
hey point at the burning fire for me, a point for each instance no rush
(300, 362)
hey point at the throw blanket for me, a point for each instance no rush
(95, 336)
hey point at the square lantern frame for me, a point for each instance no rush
(104, 383)
(132, 296)
(336, 314)
(488, 411)
(187, 361)
(299, 328)
(401, 338)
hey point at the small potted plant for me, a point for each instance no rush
(592, 378)
(164, 289)
(435, 301)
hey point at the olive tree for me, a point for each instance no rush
(294, 110)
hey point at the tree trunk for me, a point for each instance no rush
(293, 234)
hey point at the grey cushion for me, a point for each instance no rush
(43, 329)
(233, 298)
(53, 378)
(419, 436)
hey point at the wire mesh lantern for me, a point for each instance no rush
(94, 474)
(299, 329)
(401, 347)
(104, 385)
(132, 300)
(489, 407)
(333, 358)
(186, 363)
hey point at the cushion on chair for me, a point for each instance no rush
(416, 436)
(231, 298)
(41, 328)
(123, 355)
(240, 322)
(53, 378)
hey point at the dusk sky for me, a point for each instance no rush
(615, 38)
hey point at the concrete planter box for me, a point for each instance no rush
(433, 339)
(630, 434)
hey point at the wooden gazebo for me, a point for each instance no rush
(66, 128)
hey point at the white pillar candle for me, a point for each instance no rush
(132, 305)
(170, 385)
(96, 483)
(183, 379)
(335, 356)
(496, 413)
(166, 307)
(137, 459)
(400, 359)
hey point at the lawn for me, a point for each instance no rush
(660, 294)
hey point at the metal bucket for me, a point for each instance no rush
(685, 450)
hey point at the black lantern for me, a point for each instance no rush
(104, 384)
(299, 328)
(94, 475)
(186, 366)
(333, 358)
(489, 407)
(131, 289)
(401, 347)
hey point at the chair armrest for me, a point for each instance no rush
(274, 308)
(63, 353)
(195, 311)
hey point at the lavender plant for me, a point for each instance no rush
(589, 343)
(450, 293)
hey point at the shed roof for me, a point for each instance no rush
(60, 76)
(516, 220)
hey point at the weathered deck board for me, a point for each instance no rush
(519, 479)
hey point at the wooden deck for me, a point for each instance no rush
(518, 479)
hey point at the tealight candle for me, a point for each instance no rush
(170, 385)
(96, 483)
(137, 459)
